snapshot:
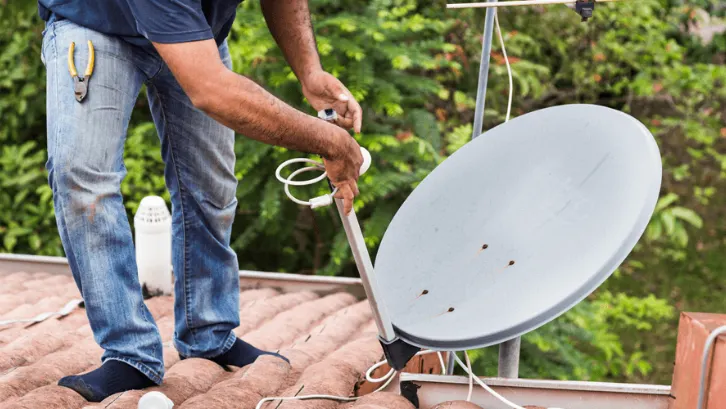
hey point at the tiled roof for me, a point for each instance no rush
(330, 340)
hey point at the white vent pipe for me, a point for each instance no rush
(155, 400)
(152, 224)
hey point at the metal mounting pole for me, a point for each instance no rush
(486, 54)
(365, 269)
(509, 358)
(505, 365)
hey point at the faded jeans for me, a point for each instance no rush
(86, 167)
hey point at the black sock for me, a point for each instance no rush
(242, 354)
(112, 377)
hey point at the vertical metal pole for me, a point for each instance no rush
(509, 358)
(450, 363)
(481, 94)
(365, 269)
(486, 54)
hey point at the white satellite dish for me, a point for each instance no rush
(517, 227)
(508, 233)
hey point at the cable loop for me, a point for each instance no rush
(289, 181)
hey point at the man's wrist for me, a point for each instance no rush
(336, 141)
(310, 72)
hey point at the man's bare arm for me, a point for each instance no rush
(290, 25)
(246, 107)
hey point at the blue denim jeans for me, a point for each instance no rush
(86, 167)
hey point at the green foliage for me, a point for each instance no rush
(24, 222)
(22, 84)
(584, 343)
(414, 70)
(669, 223)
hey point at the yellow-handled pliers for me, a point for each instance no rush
(80, 84)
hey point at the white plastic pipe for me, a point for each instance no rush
(155, 400)
(152, 224)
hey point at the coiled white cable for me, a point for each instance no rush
(467, 368)
(390, 375)
(317, 166)
(471, 378)
(386, 379)
(320, 201)
(387, 376)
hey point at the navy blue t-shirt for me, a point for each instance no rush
(141, 21)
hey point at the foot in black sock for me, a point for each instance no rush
(242, 354)
(112, 377)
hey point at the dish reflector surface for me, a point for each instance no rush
(518, 226)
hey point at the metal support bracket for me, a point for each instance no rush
(585, 8)
(365, 269)
(398, 352)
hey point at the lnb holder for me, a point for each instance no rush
(585, 8)
(398, 352)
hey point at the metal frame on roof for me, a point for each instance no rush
(11, 263)
(286, 282)
(434, 389)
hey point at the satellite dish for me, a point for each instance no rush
(518, 226)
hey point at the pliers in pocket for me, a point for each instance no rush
(80, 84)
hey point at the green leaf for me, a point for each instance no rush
(681, 236)
(666, 201)
(654, 230)
(19, 231)
(10, 242)
(34, 241)
(669, 222)
(688, 216)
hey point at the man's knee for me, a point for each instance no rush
(223, 193)
(214, 201)
(221, 205)
(83, 192)
(216, 182)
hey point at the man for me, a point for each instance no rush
(178, 49)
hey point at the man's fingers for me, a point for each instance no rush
(350, 114)
(356, 112)
(353, 185)
(345, 193)
(344, 121)
(347, 200)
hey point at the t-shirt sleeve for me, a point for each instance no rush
(171, 21)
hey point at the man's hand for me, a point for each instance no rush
(343, 171)
(325, 91)
(290, 24)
